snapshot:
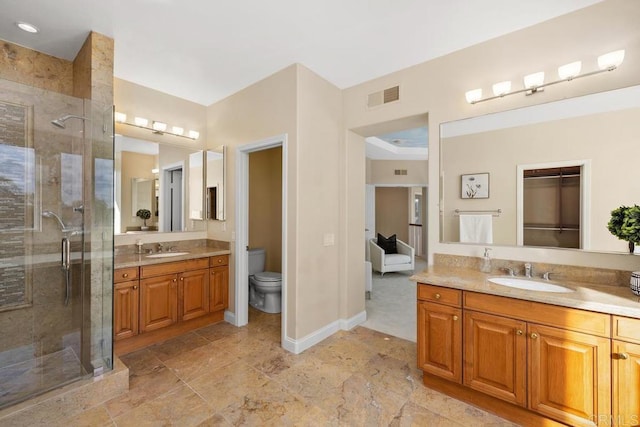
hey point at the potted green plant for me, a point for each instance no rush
(145, 214)
(625, 224)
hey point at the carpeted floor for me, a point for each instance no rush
(392, 307)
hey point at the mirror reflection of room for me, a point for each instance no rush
(592, 133)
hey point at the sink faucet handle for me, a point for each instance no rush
(160, 247)
(527, 269)
(546, 275)
(509, 271)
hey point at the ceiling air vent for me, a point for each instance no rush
(400, 172)
(386, 96)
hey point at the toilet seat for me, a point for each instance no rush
(268, 276)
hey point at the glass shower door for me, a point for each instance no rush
(42, 236)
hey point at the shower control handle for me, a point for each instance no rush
(66, 254)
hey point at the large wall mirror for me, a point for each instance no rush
(547, 175)
(166, 180)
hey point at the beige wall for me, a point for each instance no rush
(437, 87)
(262, 110)
(265, 205)
(392, 213)
(135, 100)
(383, 172)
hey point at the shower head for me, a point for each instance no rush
(49, 214)
(59, 122)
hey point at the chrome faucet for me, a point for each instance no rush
(509, 271)
(528, 270)
(160, 247)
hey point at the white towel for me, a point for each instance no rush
(476, 228)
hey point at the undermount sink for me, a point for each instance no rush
(167, 254)
(528, 284)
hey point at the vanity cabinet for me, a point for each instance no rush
(625, 351)
(219, 282)
(440, 323)
(554, 361)
(126, 294)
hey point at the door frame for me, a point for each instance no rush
(164, 195)
(242, 225)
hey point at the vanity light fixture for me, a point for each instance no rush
(534, 82)
(159, 128)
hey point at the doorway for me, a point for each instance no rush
(242, 197)
(172, 193)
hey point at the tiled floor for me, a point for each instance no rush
(223, 375)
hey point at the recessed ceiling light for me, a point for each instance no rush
(29, 28)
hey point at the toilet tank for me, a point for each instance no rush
(256, 260)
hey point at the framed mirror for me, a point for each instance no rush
(557, 170)
(157, 177)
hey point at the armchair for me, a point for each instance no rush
(402, 261)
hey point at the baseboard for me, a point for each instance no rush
(230, 317)
(308, 341)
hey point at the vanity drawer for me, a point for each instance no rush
(626, 329)
(125, 274)
(218, 260)
(544, 314)
(440, 295)
(173, 267)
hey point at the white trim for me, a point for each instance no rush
(585, 197)
(242, 225)
(308, 341)
(229, 317)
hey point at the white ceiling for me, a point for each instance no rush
(205, 50)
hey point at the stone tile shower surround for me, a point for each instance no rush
(560, 272)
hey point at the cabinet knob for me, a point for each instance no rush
(455, 317)
(534, 335)
(135, 287)
(438, 296)
(125, 275)
(623, 356)
(174, 280)
(519, 332)
(182, 279)
(219, 260)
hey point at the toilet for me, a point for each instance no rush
(265, 287)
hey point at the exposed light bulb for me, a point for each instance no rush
(177, 130)
(569, 71)
(159, 126)
(141, 121)
(473, 96)
(502, 88)
(611, 60)
(194, 134)
(119, 117)
(534, 80)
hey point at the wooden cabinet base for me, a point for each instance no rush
(490, 404)
(143, 340)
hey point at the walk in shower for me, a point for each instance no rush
(56, 240)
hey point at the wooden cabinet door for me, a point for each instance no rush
(495, 356)
(626, 383)
(194, 294)
(569, 376)
(219, 288)
(440, 340)
(158, 302)
(125, 310)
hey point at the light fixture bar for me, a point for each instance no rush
(607, 62)
(158, 128)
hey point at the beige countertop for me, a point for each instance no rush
(135, 260)
(604, 299)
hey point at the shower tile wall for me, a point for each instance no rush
(14, 288)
